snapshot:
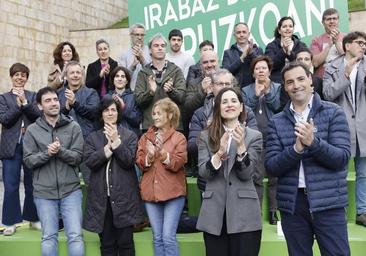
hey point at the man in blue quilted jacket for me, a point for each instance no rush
(308, 148)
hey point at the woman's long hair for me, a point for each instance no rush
(279, 24)
(216, 128)
(58, 52)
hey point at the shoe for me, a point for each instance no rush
(35, 225)
(361, 219)
(273, 218)
(9, 230)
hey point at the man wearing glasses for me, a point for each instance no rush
(327, 46)
(138, 55)
(344, 84)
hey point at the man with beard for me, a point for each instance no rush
(53, 148)
(176, 55)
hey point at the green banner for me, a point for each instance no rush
(215, 19)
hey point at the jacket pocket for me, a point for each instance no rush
(247, 194)
(207, 194)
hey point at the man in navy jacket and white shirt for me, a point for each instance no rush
(308, 148)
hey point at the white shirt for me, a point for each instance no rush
(301, 118)
(353, 79)
(183, 60)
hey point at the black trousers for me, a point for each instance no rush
(115, 241)
(238, 244)
(328, 226)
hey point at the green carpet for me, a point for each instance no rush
(26, 242)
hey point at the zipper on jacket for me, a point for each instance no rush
(54, 160)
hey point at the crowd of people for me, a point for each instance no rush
(132, 128)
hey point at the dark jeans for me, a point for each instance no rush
(12, 213)
(238, 244)
(115, 241)
(328, 226)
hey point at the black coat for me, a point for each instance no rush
(93, 80)
(278, 56)
(123, 185)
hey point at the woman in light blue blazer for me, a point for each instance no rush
(230, 215)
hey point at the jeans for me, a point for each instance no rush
(360, 168)
(12, 213)
(164, 218)
(71, 212)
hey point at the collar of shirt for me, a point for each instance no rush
(304, 115)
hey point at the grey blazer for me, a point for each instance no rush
(337, 88)
(234, 195)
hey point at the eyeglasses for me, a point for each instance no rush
(331, 18)
(362, 44)
(135, 34)
(223, 84)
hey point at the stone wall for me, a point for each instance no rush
(30, 30)
(118, 40)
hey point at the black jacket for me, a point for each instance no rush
(278, 56)
(11, 116)
(123, 185)
(93, 80)
(241, 70)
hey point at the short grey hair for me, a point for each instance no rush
(155, 37)
(136, 25)
(101, 41)
(222, 71)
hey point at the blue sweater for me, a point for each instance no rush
(324, 162)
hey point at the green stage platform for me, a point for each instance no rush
(26, 242)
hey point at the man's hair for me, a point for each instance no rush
(265, 58)
(136, 25)
(305, 49)
(44, 91)
(101, 41)
(155, 37)
(240, 23)
(222, 71)
(175, 32)
(291, 66)
(206, 42)
(18, 67)
(350, 37)
(328, 12)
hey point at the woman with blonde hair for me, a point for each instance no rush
(161, 155)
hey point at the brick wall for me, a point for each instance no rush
(30, 30)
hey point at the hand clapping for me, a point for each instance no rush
(304, 132)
